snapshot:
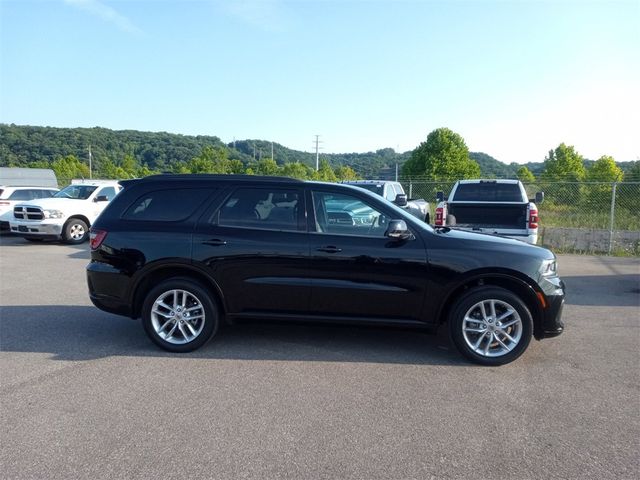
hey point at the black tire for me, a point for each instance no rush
(197, 295)
(427, 218)
(75, 231)
(490, 337)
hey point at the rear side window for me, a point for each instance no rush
(108, 192)
(167, 205)
(270, 209)
(488, 192)
(22, 195)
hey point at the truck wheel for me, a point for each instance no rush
(427, 218)
(179, 315)
(490, 325)
(75, 231)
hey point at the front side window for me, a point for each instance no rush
(337, 213)
(268, 208)
(76, 192)
(167, 205)
(108, 192)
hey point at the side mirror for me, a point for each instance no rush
(440, 196)
(101, 198)
(398, 230)
(401, 200)
(539, 197)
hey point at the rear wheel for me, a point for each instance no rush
(75, 231)
(179, 315)
(491, 325)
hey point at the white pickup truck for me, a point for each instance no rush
(393, 192)
(499, 207)
(67, 215)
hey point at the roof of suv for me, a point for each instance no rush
(216, 177)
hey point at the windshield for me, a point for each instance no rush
(488, 192)
(372, 187)
(77, 192)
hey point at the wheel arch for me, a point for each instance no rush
(79, 216)
(155, 275)
(511, 281)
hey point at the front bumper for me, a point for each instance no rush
(552, 324)
(36, 229)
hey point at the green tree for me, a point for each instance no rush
(69, 167)
(345, 173)
(211, 160)
(563, 164)
(525, 175)
(325, 173)
(444, 156)
(604, 170)
(296, 170)
(266, 166)
(633, 174)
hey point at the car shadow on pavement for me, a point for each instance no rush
(84, 333)
(603, 290)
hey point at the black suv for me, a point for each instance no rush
(186, 252)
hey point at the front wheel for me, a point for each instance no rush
(491, 325)
(179, 315)
(75, 231)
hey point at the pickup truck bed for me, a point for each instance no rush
(484, 215)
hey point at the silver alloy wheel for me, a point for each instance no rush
(77, 231)
(177, 316)
(492, 328)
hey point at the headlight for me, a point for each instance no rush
(549, 268)
(53, 214)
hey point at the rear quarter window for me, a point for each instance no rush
(488, 192)
(172, 205)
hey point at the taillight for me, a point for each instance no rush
(439, 214)
(533, 218)
(96, 237)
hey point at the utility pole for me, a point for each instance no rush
(318, 142)
(271, 150)
(90, 161)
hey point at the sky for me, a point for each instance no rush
(513, 78)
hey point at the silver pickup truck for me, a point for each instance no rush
(394, 192)
(499, 207)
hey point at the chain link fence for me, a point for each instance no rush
(587, 217)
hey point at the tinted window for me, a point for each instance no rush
(108, 192)
(167, 205)
(343, 214)
(271, 209)
(22, 195)
(488, 192)
(372, 187)
(79, 192)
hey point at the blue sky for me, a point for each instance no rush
(514, 78)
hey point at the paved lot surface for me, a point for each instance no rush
(84, 394)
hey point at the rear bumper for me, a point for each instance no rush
(108, 289)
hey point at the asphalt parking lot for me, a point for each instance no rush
(84, 394)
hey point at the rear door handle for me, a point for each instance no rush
(329, 249)
(215, 242)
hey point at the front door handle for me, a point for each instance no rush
(215, 242)
(329, 249)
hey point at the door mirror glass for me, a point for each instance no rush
(440, 196)
(101, 198)
(539, 197)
